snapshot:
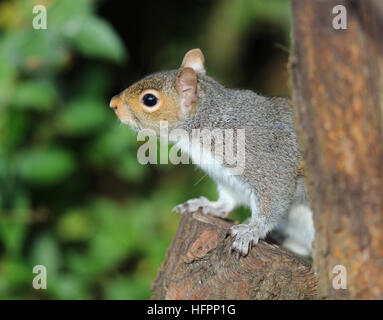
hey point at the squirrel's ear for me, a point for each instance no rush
(186, 87)
(194, 59)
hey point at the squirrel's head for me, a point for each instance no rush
(165, 96)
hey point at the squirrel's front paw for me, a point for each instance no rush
(245, 236)
(206, 206)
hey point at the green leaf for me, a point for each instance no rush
(34, 94)
(95, 38)
(7, 81)
(129, 168)
(113, 144)
(13, 226)
(11, 44)
(61, 12)
(75, 225)
(14, 124)
(45, 251)
(31, 50)
(44, 50)
(128, 288)
(83, 116)
(69, 286)
(45, 166)
(14, 273)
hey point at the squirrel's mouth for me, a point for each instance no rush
(123, 112)
(129, 119)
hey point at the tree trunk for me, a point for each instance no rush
(338, 96)
(200, 265)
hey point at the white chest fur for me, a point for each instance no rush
(221, 175)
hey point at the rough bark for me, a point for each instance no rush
(338, 95)
(200, 265)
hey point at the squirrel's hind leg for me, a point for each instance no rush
(297, 227)
(221, 208)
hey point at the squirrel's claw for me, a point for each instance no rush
(203, 204)
(190, 205)
(181, 209)
(244, 236)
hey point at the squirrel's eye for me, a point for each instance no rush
(150, 100)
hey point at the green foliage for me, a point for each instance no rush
(73, 196)
(94, 37)
(45, 166)
(82, 116)
(34, 94)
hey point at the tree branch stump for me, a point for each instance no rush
(200, 265)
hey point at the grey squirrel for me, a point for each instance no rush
(271, 184)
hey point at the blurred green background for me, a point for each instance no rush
(73, 196)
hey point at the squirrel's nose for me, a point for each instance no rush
(115, 102)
